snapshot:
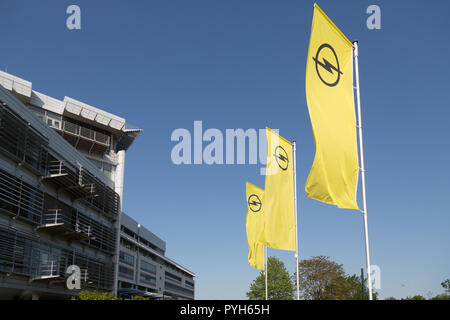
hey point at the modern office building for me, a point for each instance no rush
(61, 185)
(61, 182)
(144, 267)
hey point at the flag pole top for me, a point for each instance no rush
(355, 48)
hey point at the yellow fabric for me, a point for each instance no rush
(329, 92)
(255, 225)
(279, 194)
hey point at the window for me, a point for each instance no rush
(20, 198)
(148, 279)
(127, 244)
(125, 285)
(173, 287)
(148, 267)
(126, 272)
(128, 232)
(173, 277)
(97, 163)
(147, 254)
(104, 167)
(126, 258)
(189, 284)
(28, 255)
(21, 141)
(53, 120)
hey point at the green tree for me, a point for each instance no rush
(322, 279)
(354, 289)
(279, 284)
(441, 297)
(390, 298)
(416, 297)
(446, 286)
(138, 298)
(94, 295)
(446, 295)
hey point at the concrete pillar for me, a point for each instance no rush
(118, 186)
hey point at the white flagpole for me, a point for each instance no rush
(265, 269)
(363, 175)
(294, 149)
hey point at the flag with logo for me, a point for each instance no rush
(279, 227)
(255, 225)
(329, 93)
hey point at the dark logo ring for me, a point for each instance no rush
(254, 203)
(325, 64)
(281, 157)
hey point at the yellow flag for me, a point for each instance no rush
(255, 225)
(329, 92)
(279, 194)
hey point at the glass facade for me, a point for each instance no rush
(145, 266)
(179, 289)
(20, 141)
(56, 209)
(26, 254)
(20, 198)
(104, 167)
(126, 258)
(172, 277)
(126, 272)
(154, 272)
(189, 284)
(148, 279)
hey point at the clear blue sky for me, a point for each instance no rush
(241, 64)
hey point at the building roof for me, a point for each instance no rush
(157, 254)
(131, 224)
(73, 108)
(57, 143)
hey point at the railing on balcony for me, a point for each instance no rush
(106, 200)
(48, 268)
(83, 136)
(65, 221)
(85, 132)
(68, 224)
(26, 255)
(82, 184)
(69, 179)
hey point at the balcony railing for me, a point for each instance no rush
(84, 137)
(27, 255)
(69, 179)
(65, 221)
(85, 132)
(70, 226)
(56, 217)
(48, 268)
(82, 184)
